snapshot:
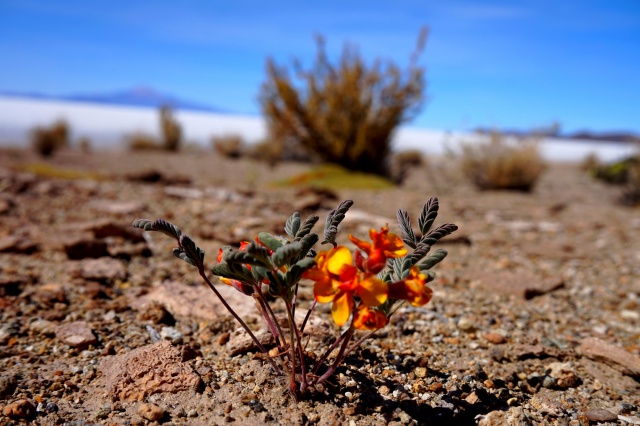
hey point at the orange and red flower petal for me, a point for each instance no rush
(342, 307)
(372, 291)
(368, 319)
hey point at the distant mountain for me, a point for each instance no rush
(137, 97)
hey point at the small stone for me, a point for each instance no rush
(8, 384)
(151, 412)
(548, 382)
(21, 409)
(466, 324)
(76, 334)
(42, 326)
(192, 413)
(600, 415)
(472, 398)
(421, 372)
(383, 390)
(171, 334)
(83, 247)
(495, 338)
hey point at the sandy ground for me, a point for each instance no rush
(535, 317)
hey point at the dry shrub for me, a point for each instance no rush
(631, 193)
(344, 113)
(229, 146)
(84, 144)
(498, 164)
(617, 172)
(47, 140)
(403, 161)
(142, 142)
(171, 130)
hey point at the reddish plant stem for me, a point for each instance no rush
(237, 317)
(339, 358)
(328, 352)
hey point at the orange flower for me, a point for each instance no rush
(238, 285)
(413, 288)
(369, 319)
(338, 280)
(385, 245)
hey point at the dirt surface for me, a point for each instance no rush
(535, 317)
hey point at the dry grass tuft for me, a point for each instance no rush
(499, 164)
(47, 140)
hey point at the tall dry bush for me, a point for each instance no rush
(344, 113)
(498, 164)
(47, 140)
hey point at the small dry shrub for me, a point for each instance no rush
(229, 146)
(403, 161)
(498, 164)
(631, 193)
(171, 130)
(47, 140)
(617, 172)
(84, 144)
(143, 142)
(343, 113)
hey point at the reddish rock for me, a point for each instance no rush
(76, 334)
(240, 342)
(495, 338)
(197, 301)
(151, 412)
(601, 351)
(20, 409)
(104, 269)
(600, 415)
(18, 245)
(519, 284)
(156, 368)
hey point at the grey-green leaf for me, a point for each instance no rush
(306, 227)
(270, 241)
(428, 215)
(293, 225)
(432, 260)
(408, 236)
(333, 220)
(286, 254)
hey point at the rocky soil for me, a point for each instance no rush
(535, 317)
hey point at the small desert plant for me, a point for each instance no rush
(229, 146)
(142, 142)
(403, 161)
(344, 113)
(631, 193)
(171, 130)
(84, 144)
(47, 140)
(617, 172)
(498, 164)
(366, 286)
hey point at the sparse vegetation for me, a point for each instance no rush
(47, 140)
(403, 161)
(229, 146)
(171, 130)
(171, 134)
(345, 113)
(499, 164)
(631, 193)
(617, 172)
(332, 176)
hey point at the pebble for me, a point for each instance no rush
(171, 334)
(466, 324)
(151, 412)
(495, 338)
(600, 415)
(76, 334)
(42, 326)
(20, 409)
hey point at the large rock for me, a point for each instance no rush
(76, 334)
(151, 369)
(103, 269)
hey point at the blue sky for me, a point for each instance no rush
(507, 64)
